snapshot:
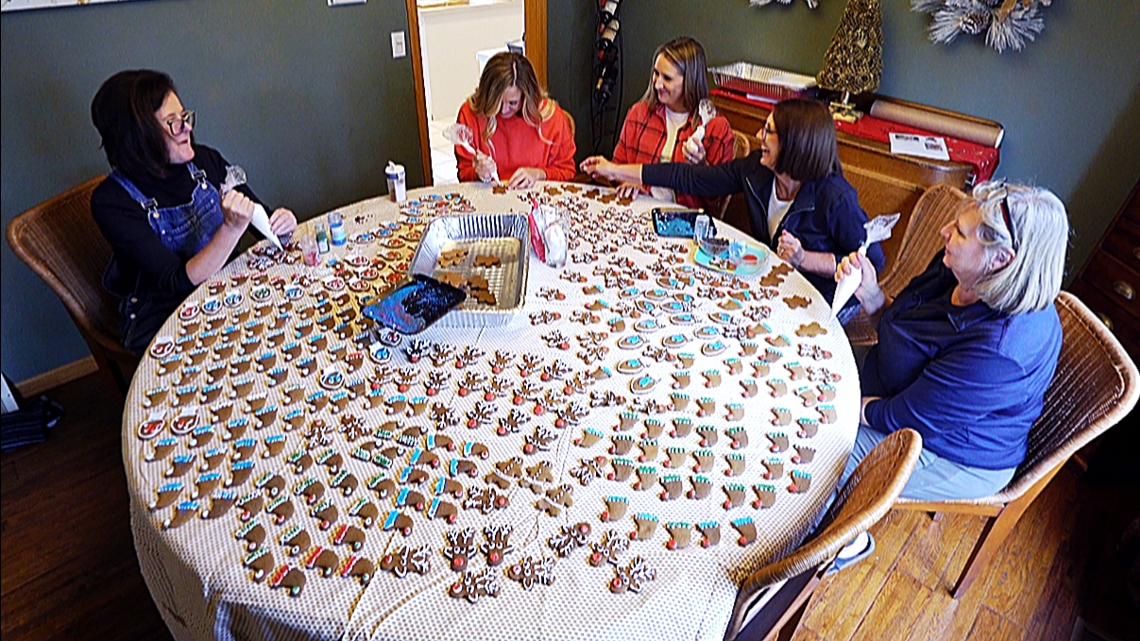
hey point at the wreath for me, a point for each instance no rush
(1008, 24)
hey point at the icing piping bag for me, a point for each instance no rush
(878, 230)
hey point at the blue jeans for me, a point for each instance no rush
(934, 478)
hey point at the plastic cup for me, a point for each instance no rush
(309, 251)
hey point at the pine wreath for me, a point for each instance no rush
(1008, 24)
(760, 3)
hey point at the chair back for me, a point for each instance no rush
(921, 241)
(59, 240)
(1095, 386)
(865, 499)
(741, 147)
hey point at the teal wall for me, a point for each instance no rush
(306, 97)
(1070, 102)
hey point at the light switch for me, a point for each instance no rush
(399, 45)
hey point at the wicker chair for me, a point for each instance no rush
(58, 239)
(741, 147)
(774, 598)
(1094, 387)
(937, 206)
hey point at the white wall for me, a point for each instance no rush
(449, 38)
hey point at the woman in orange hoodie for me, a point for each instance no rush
(521, 135)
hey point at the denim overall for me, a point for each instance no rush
(185, 230)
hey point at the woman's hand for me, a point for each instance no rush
(485, 167)
(237, 209)
(598, 166)
(283, 222)
(694, 151)
(525, 177)
(869, 293)
(628, 190)
(790, 249)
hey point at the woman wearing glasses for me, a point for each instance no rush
(799, 203)
(521, 135)
(968, 348)
(160, 209)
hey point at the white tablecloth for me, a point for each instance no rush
(197, 569)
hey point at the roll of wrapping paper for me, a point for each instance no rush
(982, 134)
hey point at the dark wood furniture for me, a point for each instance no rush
(1110, 279)
(886, 183)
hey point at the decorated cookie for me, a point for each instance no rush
(680, 533)
(473, 586)
(569, 538)
(765, 496)
(531, 571)
(747, 530)
(632, 577)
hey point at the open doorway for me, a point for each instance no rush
(450, 40)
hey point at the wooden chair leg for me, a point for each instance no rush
(997, 529)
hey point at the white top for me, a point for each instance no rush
(673, 123)
(777, 209)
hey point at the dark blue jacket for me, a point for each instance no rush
(825, 216)
(970, 379)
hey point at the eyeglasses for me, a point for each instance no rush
(178, 123)
(766, 131)
(1008, 221)
(1005, 215)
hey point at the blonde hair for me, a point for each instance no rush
(688, 56)
(503, 71)
(1038, 239)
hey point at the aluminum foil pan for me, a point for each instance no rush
(465, 250)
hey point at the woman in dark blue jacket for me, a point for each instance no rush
(969, 347)
(799, 203)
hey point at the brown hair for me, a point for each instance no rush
(806, 131)
(505, 70)
(688, 56)
(123, 112)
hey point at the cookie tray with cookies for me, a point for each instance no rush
(487, 255)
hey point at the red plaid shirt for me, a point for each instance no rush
(643, 137)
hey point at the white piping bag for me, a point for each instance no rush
(878, 230)
(458, 134)
(235, 176)
(707, 112)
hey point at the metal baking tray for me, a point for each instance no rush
(757, 79)
(503, 236)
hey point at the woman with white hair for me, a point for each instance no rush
(967, 350)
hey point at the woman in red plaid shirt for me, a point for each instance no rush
(659, 125)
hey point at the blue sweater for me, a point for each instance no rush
(825, 215)
(970, 379)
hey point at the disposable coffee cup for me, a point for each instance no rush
(397, 182)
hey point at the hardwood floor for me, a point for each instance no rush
(69, 568)
(70, 572)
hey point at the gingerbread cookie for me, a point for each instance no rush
(531, 571)
(632, 577)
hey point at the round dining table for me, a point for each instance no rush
(602, 449)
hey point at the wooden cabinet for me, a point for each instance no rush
(1109, 281)
(886, 183)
